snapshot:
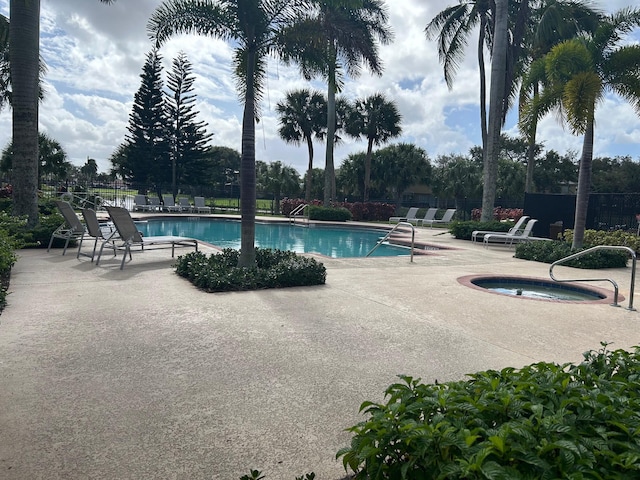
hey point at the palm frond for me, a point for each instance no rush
(579, 97)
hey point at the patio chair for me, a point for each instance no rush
(199, 206)
(506, 239)
(129, 236)
(410, 214)
(185, 205)
(70, 229)
(169, 204)
(96, 231)
(153, 205)
(139, 203)
(512, 231)
(430, 215)
(445, 220)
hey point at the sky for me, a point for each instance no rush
(95, 54)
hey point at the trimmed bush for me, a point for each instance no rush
(551, 251)
(602, 237)
(329, 214)
(274, 269)
(7, 260)
(463, 230)
(544, 421)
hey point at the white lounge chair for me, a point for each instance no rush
(430, 215)
(199, 206)
(185, 205)
(169, 204)
(410, 214)
(445, 220)
(70, 229)
(506, 239)
(129, 236)
(512, 231)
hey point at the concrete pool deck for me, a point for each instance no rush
(135, 374)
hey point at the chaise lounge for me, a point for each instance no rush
(129, 236)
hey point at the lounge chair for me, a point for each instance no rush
(154, 205)
(185, 205)
(129, 236)
(199, 206)
(410, 214)
(430, 215)
(512, 231)
(139, 203)
(94, 230)
(71, 229)
(169, 204)
(445, 220)
(506, 239)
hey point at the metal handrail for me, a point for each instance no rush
(296, 211)
(615, 285)
(82, 202)
(383, 239)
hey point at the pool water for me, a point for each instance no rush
(335, 242)
(542, 290)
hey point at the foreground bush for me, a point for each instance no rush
(549, 252)
(275, 269)
(544, 421)
(463, 230)
(7, 260)
(602, 237)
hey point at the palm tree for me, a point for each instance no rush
(24, 59)
(578, 72)
(340, 36)
(303, 116)
(279, 179)
(256, 28)
(376, 119)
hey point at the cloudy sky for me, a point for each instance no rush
(95, 55)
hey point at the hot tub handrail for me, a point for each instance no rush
(386, 237)
(615, 285)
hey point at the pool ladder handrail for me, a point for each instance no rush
(386, 237)
(297, 211)
(615, 285)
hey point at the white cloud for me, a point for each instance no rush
(95, 54)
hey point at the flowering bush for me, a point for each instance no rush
(360, 211)
(499, 213)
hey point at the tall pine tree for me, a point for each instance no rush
(189, 137)
(148, 146)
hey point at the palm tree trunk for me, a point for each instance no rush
(531, 149)
(307, 195)
(247, 256)
(329, 171)
(584, 185)
(367, 170)
(24, 38)
(498, 72)
(483, 83)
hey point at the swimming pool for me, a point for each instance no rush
(334, 242)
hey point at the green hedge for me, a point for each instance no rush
(544, 421)
(329, 214)
(551, 251)
(274, 269)
(601, 237)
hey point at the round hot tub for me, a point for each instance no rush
(538, 289)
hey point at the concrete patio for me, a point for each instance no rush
(136, 374)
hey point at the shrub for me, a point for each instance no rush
(329, 213)
(360, 211)
(551, 251)
(499, 213)
(463, 230)
(542, 421)
(7, 260)
(601, 237)
(274, 269)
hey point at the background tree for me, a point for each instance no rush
(256, 29)
(52, 159)
(279, 180)
(403, 166)
(555, 171)
(147, 152)
(339, 36)
(189, 137)
(317, 183)
(222, 162)
(24, 56)
(377, 120)
(89, 170)
(457, 177)
(303, 116)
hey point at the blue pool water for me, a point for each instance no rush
(335, 242)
